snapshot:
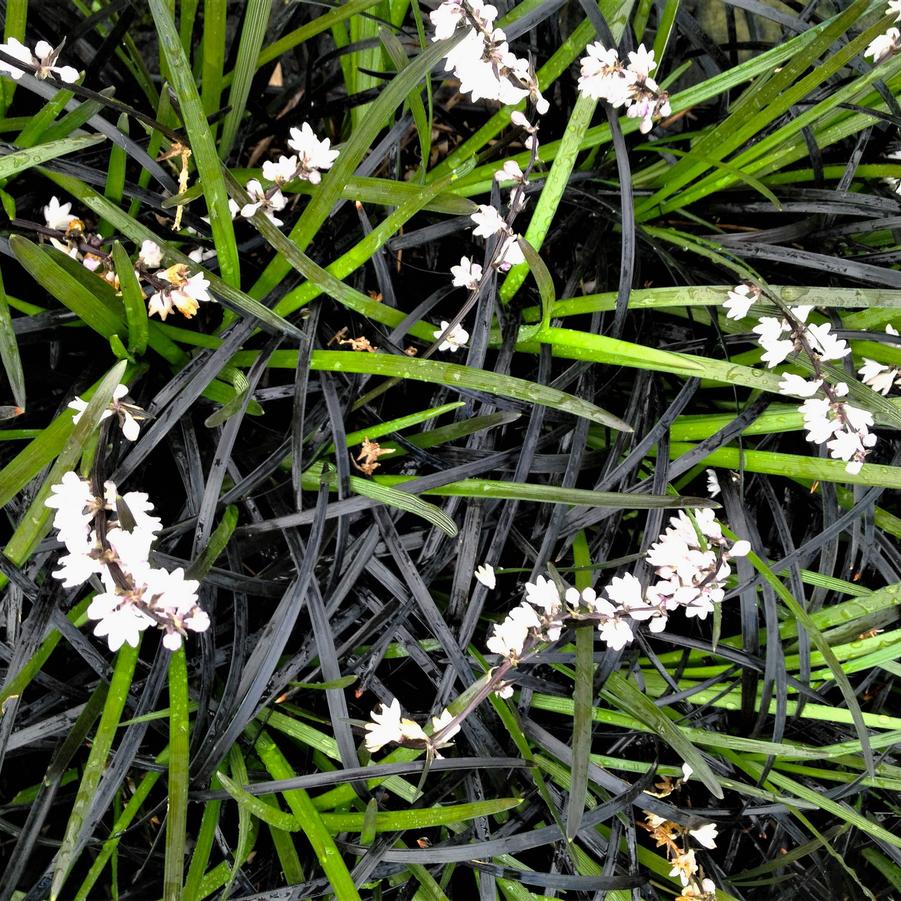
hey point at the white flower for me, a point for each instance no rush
(454, 339)
(878, 376)
(826, 345)
(543, 594)
(281, 171)
(56, 214)
(74, 503)
(125, 412)
(798, 386)
(488, 222)
(616, 633)
(625, 591)
(741, 548)
(641, 62)
(603, 76)
(445, 19)
(882, 46)
(43, 59)
(485, 575)
(119, 620)
(76, 568)
(684, 866)
(845, 445)
(150, 255)
(713, 483)
(686, 772)
(894, 8)
(519, 119)
(385, 727)
(705, 835)
(510, 171)
(777, 349)
(510, 253)
(818, 420)
(507, 638)
(261, 200)
(739, 301)
(505, 690)
(438, 724)
(185, 293)
(313, 155)
(200, 254)
(467, 275)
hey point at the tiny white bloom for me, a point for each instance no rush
(739, 301)
(641, 62)
(510, 253)
(57, 215)
(878, 376)
(798, 386)
(485, 575)
(705, 835)
(150, 254)
(280, 171)
(686, 772)
(713, 483)
(882, 46)
(385, 727)
(439, 723)
(454, 339)
(510, 171)
(467, 275)
(488, 221)
(313, 155)
(446, 18)
(543, 593)
(120, 621)
(825, 343)
(268, 202)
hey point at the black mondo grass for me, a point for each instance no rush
(442, 463)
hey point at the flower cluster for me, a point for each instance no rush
(110, 537)
(310, 159)
(390, 726)
(674, 839)
(482, 61)
(691, 559)
(630, 86)
(42, 62)
(888, 43)
(167, 289)
(829, 419)
(178, 289)
(128, 415)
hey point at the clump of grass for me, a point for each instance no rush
(539, 497)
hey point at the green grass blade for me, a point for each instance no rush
(215, 21)
(9, 351)
(628, 697)
(120, 684)
(804, 620)
(253, 32)
(554, 186)
(21, 160)
(399, 820)
(449, 374)
(132, 301)
(179, 751)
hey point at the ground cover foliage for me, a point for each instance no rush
(597, 384)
